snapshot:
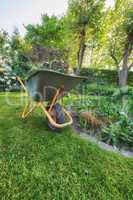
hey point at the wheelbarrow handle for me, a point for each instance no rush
(22, 84)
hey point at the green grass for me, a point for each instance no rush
(37, 164)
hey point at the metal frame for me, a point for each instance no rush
(29, 108)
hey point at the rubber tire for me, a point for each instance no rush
(60, 117)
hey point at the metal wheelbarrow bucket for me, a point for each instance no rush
(48, 86)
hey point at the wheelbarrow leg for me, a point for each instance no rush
(29, 108)
(54, 99)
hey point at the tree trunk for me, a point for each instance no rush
(123, 71)
(81, 51)
(123, 76)
(91, 56)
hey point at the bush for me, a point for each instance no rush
(102, 76)
(8, 82)
(97, 90)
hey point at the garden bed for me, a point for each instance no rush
(109, 117)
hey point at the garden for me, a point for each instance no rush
(91, 159)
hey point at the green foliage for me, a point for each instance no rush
(83, 20)
(103, 76)
(49, 33)
(106, 50)
(43, 43)
(105, 34)
(105, 103)
(4, 47)
(121, 28)
(3, 39)
(83, 12)
(120, 132)
(19, 51)
(99, 90)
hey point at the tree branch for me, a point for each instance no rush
(130, 66)
(115, 59)
(113, 55)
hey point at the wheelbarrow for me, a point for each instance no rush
(44, 88)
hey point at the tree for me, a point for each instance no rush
(19, 52)
(121, 44)
(49, 33)
(48, 39)
(84, 18)
(4, 39)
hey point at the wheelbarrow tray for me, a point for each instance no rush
(42, 84)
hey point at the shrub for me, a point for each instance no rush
(8, 82)
(104, 76)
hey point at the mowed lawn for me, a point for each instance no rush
(37, 164)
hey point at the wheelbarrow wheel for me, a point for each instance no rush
(58, 115)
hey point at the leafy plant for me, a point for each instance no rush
(120, 132)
